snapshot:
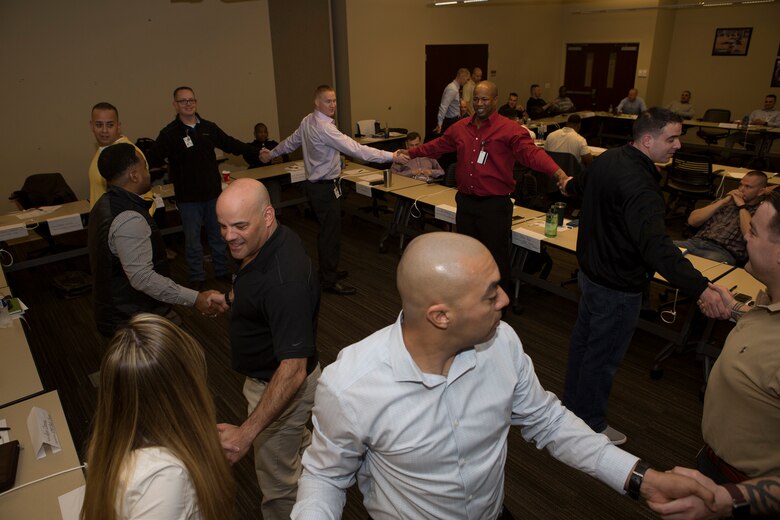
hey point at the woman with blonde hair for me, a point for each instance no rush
(154, 450)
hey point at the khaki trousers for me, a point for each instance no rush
(278, 449)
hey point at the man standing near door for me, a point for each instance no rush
(449, 108)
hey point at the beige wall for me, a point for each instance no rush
(736, 83)
(387, 40)
(59, 58)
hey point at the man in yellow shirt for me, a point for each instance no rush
(107, 128)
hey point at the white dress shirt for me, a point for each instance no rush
(771, 117)
(158, 488)
(428, 446)
(566, 140)
(450, 102)
(322, 142)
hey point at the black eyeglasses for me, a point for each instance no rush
(190, 101)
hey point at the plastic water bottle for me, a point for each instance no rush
(610, 109)
(542, 131)
(551, 223)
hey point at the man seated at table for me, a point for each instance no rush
(724, 223)
(684, 107)
(563, 103)
(632, 104)
(767, 116)
(261, 141)
(568, 140)
(420, 168)
(511, 109)
(537, 107)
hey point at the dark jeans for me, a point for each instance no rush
(194, 216)
(327, 209)
(489, 220)
(606, 320)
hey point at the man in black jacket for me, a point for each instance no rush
(622, 241)
(188, 142)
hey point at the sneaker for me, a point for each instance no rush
(615, 437)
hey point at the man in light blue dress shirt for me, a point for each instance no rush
(632, 104)
(419, 412)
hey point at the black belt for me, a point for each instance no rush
(326, 181)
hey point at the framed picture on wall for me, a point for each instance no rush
(731, 41)
(776, 74)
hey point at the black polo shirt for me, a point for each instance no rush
(275, 306)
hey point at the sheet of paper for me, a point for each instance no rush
(597, 150)
(297, 175)
(4, 436)
(158, 202)
(736, 175)
(42, 432)
(71, 502)
(728, 125)
(36, 212)
(357, 171)
(66, 224)
(445, 213)
(363, 188)
(527, 239)
(13, 231)
(297, 165)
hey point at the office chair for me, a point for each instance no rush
(43, 189)
(689, 180)
(714, 115)
(449, 176)
(366, 128)
(398, 130)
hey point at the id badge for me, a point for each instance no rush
(188, 142)
(482, 157)
(337, 189)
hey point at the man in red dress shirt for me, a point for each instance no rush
(488, 144)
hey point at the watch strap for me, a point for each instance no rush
(740, 507)
(636, 478)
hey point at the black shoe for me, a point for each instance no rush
(338, 288)
(340, 275)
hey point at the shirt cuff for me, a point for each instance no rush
(187, 296)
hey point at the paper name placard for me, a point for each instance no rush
(445, 212)
(13, 231)
(158, 201)
(66, 224)
(527, 239)
(363, 188)
(4, 437)
(297, 175)
(42, 432)
(71, 503)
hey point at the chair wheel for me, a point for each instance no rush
(656, 373)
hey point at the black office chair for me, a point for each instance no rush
(689, 180)
(43, 189)
(449, 176)
(714, 115)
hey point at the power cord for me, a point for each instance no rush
(6, 254)
(665, 315)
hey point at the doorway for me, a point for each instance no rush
(600, 74)
(441, 65)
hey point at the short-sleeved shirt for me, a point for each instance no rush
(276, 299)
(566, 140)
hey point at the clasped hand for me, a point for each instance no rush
(211, 303)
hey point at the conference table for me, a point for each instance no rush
(19, 377)
(60, 471)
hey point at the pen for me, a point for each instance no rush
(733, 289)
(5, 429)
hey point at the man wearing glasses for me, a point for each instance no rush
(188, 142)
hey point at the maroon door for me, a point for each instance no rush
(600, 74)
(441, 66)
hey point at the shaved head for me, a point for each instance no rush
(435, 269)
(246, 218)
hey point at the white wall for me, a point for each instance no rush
(61, 57)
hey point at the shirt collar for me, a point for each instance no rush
(406, 370)
(762, 300)
(323, 117)
(489, 121)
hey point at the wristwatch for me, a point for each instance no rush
(740, 508)
(635, 481)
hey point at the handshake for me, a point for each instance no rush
(401, 156)
(211, 303)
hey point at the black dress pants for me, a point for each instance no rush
(327, 209)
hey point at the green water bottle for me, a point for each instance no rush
(551, 223)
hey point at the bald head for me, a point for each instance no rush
(246, 218)
(436, 268)
(245, 192)
(485, 99)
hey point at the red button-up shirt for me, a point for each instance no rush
(505, 142)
